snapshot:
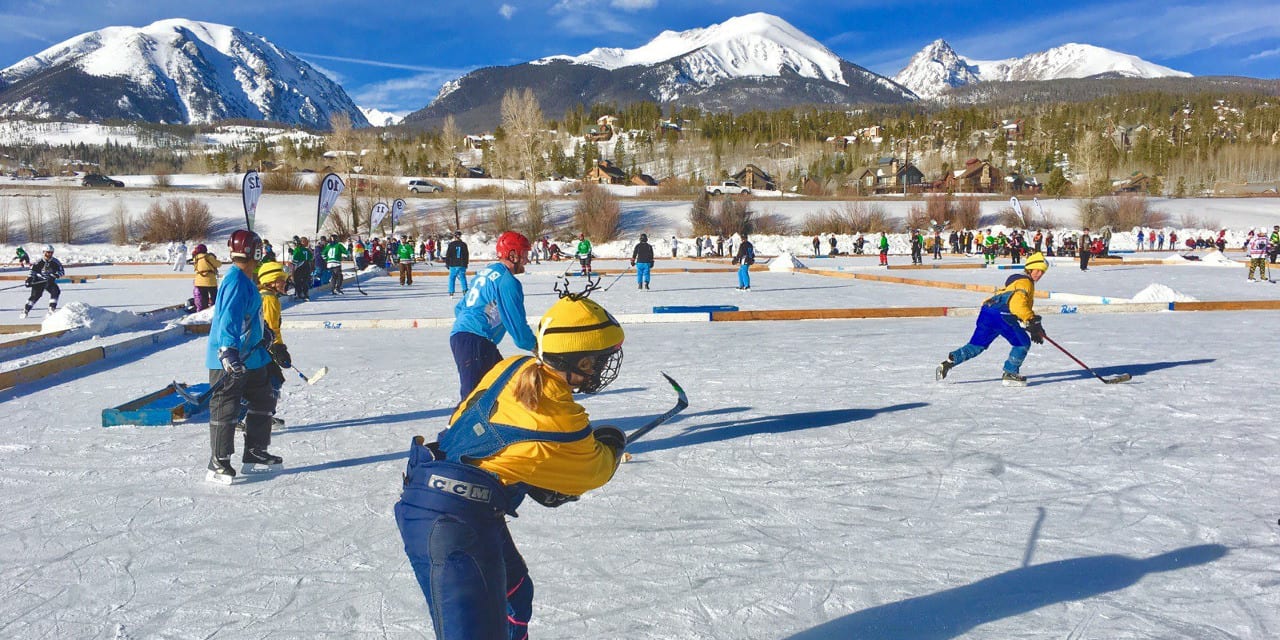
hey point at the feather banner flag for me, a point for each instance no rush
(250, 191)
(397, 212)
(330, 188)
(379, 212)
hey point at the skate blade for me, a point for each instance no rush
(259, 467)
(219, 478)
(1013, 383)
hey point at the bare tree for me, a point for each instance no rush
(525, 128)
(121, 224)
(176, 219)
(447, 152)
(5, 228)
(597, 213)
(33, 214)
(67, 215)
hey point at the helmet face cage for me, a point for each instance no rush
(605, 367)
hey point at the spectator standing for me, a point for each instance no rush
(817, 246)
(180, 256)
(642, 260)
(206, 266)
(675, 246)
(456, 257)
(406, 261)
(1085, 248)
(745, 257)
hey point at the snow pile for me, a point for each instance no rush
(1174, 258)
(1161, 293)
(1216, 259)
(204, 316)
(785, 262)
(78, 315)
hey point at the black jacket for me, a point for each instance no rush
(643, 254)
(44, 270)
(746, 254)
(457, 254)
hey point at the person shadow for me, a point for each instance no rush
(718, 431)
(954, 612)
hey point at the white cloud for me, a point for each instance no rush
(633, 5)
(587, 17)
(507, 11)
(1263, 54)
(405, 94)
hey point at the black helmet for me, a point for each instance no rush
(644, 237)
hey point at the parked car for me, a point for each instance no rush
(422, 186)
(99, 180)
(727, 186)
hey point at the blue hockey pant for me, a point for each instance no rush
(992, 323)
(744, 276)
(642, 272)
(475, 356)
(459, 273)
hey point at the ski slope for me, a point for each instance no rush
(821, 485)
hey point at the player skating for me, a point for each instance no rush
(519, 433)
(456, 258)
(237, 357)
(333, 254)
(493, 307)
(272, 281)
(44, 277)
(745, 257)
(642, 260)
(584, 254)
(1000, 316)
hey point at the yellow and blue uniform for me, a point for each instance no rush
(1004, 314)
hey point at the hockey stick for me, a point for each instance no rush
(615, 280)
(682, 401)
(202, 399)
(1124, 377)
(315, 377)
(357, 279)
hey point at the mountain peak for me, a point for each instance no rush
(937, 67)
(174, 71)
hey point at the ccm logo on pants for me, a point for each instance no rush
(459, 488)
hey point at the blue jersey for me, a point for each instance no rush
(237, 322)
(493, 306)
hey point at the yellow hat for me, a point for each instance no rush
(1036, 261)
(578, 326)
(271, 272)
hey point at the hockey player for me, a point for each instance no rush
(1257, 246)
(584, 254)
(493, 307)
(44, 277)
(519, 433)
(456, 258)
(642, 260)
(238, 350)
(272, 281)
(303, 261)
(405, 252)
(180, 256)
(1000, 316)
(333, 254)
(745, 257)
(21, 257)
(206, 266)
(883, 245)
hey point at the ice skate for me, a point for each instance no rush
(945, 368)
(260, 461)
(1013, 380)
(220, 471)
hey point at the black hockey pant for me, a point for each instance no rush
(253, 386)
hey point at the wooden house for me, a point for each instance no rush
(642, 180)
(977, 176)
(1137, 182)
(755, 179)
(606, 173)
(889, 175)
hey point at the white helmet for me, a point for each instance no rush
(48, 248)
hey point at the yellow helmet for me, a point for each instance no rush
(577, 335)
(271, 272)
(1036, 261)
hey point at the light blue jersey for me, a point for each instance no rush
(493, 306)
(237, 322)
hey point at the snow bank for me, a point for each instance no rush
(204, 316)
(1174, 258)
(1161, 293)
(785, 262)
(101, 322)
(1216, 259)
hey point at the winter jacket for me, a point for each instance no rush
(46, 269)
(494, 306)
(1258, 246)
(206, 267)
(457, 254)
(237, 322)
(571, 468)
(746, 254)
(333, 254)
(643, 254)
(584, 248)
(1015, 298)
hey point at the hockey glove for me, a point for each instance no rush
(280, 354)
(231, 362)
(1035, 330)
(611, 437)
(549, 498)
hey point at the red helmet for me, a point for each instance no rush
(200, 248)
(512, 241)
(245, 244)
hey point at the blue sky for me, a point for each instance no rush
(395, 55)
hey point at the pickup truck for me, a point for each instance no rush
(727, 186)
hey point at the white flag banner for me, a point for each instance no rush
(397, 212)
(1017, 207)
(1039, 209)
(330, 188)
(250, 191)
(379, 212)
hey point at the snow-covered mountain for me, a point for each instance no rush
(172, 71)
(752, 61)
(380, 118)
(938, 67)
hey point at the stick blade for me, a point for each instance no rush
(181, 390)
(1124, 377)
(682, 400)
(315, 377)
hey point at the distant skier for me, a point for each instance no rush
(238, 351)
(206, 266)
(44, 277)
(1000, 316)
(745, 257)
(642, 260)
(493, 307)
(584, 254)
(456, 257)
(520, 433)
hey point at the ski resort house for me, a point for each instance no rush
(755, 179)
(977, 176)
(606, 173)
(889, 175)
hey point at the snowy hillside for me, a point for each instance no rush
(938, 67)
(172, 71)
(379, 118)
(757, 44)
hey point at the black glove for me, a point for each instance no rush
(611, 437)
(549, 498)
(280, 354)
(268, 337)
(231, 362)
(1035, 330)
